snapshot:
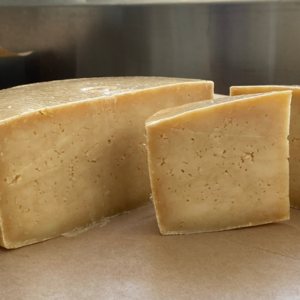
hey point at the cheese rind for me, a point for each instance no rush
(294, 136)
(73, 152)
(220, 164)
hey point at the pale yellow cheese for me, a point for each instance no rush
(220, 164)
(294, 136)
(73, 152)
(219, 96)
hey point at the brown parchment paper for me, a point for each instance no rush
(129, 259)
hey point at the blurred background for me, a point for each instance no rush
(229, 42)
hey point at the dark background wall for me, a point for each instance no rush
(232, 44)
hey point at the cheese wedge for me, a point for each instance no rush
(73, 152)
(294, 137)
(220, 164)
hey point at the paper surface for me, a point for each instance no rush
(129, 259)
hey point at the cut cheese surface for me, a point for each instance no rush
(73, 152)
(220, 164)
(294, 137)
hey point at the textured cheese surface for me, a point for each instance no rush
(294, 137)
(220, 164)
(219, 96)
(73, 152)
(26, 98)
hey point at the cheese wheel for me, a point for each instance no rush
(73, 152)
